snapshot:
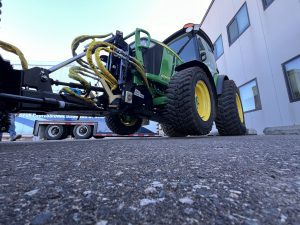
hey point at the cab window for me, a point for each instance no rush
(204, 44)
(185, 47)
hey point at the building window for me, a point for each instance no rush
(218, 46)
(250, 96)
(292, 76)
(266, 3)
(238, 24)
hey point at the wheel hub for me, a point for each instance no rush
(239, 107)
(202, 100)
(82, 130)
(127, 120)
(53, 131)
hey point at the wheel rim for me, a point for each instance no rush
(239, 107)
(202, 100)
(82, 130)
(53, 131)
(127, 120)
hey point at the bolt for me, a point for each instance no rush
(44, 78)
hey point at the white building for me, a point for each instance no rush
(257, 43)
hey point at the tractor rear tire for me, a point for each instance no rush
(190, 106)
(171, 131)
(117, 124)
(230, 116)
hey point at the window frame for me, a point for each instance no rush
(234, 19)
(220, 36)
(265, 4)
(260, 104)
(193, 38)
(287, 79)
(193, 41)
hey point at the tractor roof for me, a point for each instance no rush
(184, 30)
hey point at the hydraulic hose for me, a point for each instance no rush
(85, 69)
(82, 71)
(104, 74)
(13, 49)
(110, 48)
(71, 92)
(74, 74)
(95, 48)
(80, 39)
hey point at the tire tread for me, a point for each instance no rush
(227, 121)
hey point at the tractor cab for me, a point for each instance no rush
(192, 43)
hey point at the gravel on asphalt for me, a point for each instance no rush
(203, 180)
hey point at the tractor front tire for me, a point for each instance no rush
(121, 125)
(230, 116)
(171, 131)
(190, 106)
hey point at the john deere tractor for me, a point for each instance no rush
(129, 79)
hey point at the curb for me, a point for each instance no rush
(282, 130)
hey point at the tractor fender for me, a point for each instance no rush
(202, 66)
(219, 84)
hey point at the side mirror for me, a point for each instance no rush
(203, 56)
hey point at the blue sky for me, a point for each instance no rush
(44, 29)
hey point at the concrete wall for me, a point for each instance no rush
(272, 39)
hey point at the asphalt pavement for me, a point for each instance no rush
(247, 180)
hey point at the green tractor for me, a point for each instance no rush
(175, 82)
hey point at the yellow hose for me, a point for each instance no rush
(82, 71)
(13, 49)
(110, 48)
(74, 75)
(108, 77)
(99, 69)
(69, 91)
(78, 40)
